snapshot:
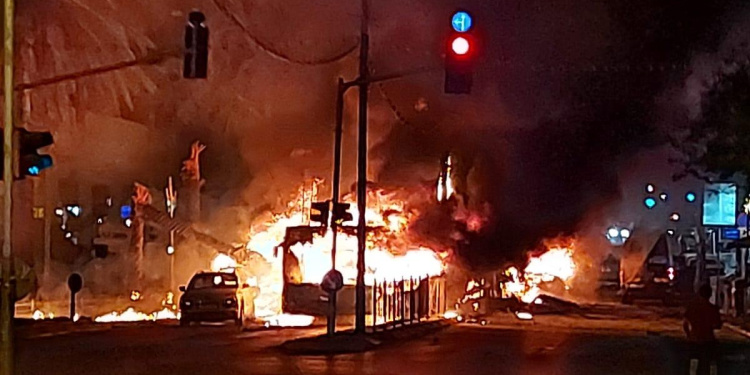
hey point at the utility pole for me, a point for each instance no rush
(359, 322)
(340, 90)
(6, 293)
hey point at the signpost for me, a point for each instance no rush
(75, 283)
(332, 282)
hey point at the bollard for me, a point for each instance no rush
(401, 303)
(411, 300)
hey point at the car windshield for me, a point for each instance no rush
(206, 281)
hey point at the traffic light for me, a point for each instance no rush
(341, 213)
(196, 47)
(30, 162)
(459, 55)
(319, 212)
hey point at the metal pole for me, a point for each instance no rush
(341, 88)
(171, 260)
(401, 305)
(359, 323)
(6, 315)
(411, 300)
(374, 305)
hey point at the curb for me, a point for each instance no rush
(738, 330)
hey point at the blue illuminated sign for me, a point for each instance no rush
(730, 233)
(720, 204)
(461, 22)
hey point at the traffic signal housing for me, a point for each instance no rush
(319, 212)
(341, 213)
(460, 53)
(196, 47)
(30, 161)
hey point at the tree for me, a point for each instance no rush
(717, 143)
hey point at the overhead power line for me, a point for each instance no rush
(275, 52)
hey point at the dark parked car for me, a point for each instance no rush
(213, 297)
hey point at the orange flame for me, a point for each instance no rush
(555, 263)
(389, 254)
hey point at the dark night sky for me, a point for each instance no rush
(540, 137)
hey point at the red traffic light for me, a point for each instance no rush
(460, 46)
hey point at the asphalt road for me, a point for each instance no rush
(548, 346)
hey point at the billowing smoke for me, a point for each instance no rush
(565, 91)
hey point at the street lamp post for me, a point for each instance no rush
(359, 319)
(6, 282)
(171, 201)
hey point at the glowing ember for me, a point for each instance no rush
(131, 315)
(289, 320)
(39, 315)
(135, 295)
(450, 314)
(523, 315)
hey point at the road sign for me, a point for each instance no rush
(333, 281)
(461, 21)
(75, 283)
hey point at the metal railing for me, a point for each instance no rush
(407, 301)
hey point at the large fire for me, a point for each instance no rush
(555, 264)
(131, 315)
(390, 254)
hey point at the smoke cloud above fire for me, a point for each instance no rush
(564, 93)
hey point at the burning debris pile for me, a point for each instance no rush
(551, 271)
(545, 279)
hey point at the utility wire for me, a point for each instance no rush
(274, 52)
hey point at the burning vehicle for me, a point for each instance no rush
(541, 286)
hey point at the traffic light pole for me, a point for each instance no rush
(341, 89)
(359, 321)
(6, 293)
